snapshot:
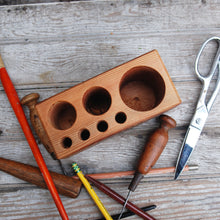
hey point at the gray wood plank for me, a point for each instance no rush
(189, 199)
(50, 47)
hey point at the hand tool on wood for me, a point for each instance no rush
(114, 195)
(129, 213)
(91, 192)
(152, 151)
(65, 185)
(15, 103)
(203, 106)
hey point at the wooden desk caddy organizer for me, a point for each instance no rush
(106, 104)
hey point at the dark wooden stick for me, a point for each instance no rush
(114, 195)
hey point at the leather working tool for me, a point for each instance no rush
(152, 151)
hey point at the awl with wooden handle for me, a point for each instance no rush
(65, 185)
(152, 152)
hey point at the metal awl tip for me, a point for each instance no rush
(126, 201)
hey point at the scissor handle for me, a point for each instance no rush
(206, 79)
(215, 61)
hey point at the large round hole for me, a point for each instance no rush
(142, 88)
(97, 101)
(67, 142)
(62, 115)
(102, 126)
(85, 134)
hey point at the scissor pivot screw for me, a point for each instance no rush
(198, 121)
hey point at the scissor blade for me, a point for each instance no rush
(186, 152)
(189, 144)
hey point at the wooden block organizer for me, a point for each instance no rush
(106, 104)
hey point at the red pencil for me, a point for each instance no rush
(15, 103)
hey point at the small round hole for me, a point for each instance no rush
(120, 117)
(85, 134)
(102, 126)
(67, 142)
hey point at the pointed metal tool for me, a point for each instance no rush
(203, 107)
(152, 152)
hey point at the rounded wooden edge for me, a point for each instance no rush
(167, 119)
(29, 98)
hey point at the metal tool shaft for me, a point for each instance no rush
(126, 201)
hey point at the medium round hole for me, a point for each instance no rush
(85, 134)
(67, 142)
(120, 117)
(97, 101)
(62, 115)
(102, 126)
(142, 88)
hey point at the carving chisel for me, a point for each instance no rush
(153, 150)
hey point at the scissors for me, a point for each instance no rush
(202, 109)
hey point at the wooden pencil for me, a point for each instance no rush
(131, 172)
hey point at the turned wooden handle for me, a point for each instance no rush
(30, 101)
(155, 144)
(153, 150)
(65, 185)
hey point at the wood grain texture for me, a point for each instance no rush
(142, 84)
(50, 47)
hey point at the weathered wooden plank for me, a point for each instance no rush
(20, 2)
(92, 18)
(81, 59)
(190, 199)
(37, 53)
(50, 47)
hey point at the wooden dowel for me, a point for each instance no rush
(131, 172)
(15, 103)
